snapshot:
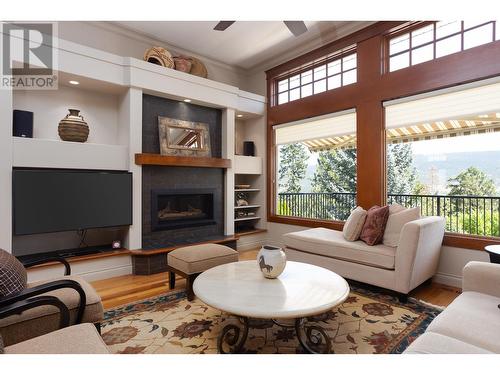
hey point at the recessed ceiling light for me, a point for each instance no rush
(74, 82)
(187, 100)
(239, 115)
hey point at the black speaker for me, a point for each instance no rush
(23, 124)
(248, 148)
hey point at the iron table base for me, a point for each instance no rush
(312, 338)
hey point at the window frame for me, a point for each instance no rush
(312, 66)
(419, 25)
(373, 87)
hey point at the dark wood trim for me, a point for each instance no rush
(143, 252)
(318, 53)
(181, 161)
(82, 258)
(469, 241)
(374, 86)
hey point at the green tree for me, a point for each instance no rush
(402, 177)
(292, 167)
(472, 181)
(336, 172)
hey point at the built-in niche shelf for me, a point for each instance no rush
(247, 165)
(246, 190)
(247, 218)
(247, 206)
(51, 153)
(181, 161)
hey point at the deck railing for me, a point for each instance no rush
(464, 214)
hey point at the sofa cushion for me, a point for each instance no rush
(374, 227)
(1, 345)
(331, 243)
(396, 222)
(78, 339)
(473, 318)
(45, 319)
(199, 258)
(435, 343)
(354, 224)
(13, 276)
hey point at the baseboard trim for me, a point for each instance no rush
(448, 279)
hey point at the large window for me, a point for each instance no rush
(316, 167)
(438, 39)
(334, 72)
(443, 155)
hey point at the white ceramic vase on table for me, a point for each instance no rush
(272, 261)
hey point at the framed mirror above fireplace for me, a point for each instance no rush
(183, 138)
(181, 208)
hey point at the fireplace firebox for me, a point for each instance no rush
(181, 208)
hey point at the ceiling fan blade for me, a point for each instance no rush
(223, 25)
(296, 27)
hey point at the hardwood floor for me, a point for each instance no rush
(126, 289)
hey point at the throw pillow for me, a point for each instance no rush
(354, 224)
(374, 227)
(396, 207)
(395, 225)
(13, 276)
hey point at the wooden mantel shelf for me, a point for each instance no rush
(181, 161)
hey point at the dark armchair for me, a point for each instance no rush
(38, 313)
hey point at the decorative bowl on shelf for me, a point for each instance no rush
(272, 261)
(73, 127)
(242, 186)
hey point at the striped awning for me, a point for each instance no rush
(443, 129)
(433, 130)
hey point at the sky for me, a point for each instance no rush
(469, 143)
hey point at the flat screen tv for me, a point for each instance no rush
(56, 200)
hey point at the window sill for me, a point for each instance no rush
(469, 241)
(450, 239)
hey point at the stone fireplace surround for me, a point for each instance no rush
(180, 178)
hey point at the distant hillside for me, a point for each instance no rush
(437, 169)
(445, 166)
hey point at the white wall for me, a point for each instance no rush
(100, 111)
(114, 39)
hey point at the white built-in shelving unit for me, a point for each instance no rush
(109, 96)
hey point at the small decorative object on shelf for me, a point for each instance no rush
(117, 244)
(159, 56)
(183, 64)
(198, 68)
(73, 127)
(241, 202)
(248, 148)
(242, 186)
(272, 261)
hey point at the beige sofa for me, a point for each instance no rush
(471, 323)
(400, 268)
(78, 339)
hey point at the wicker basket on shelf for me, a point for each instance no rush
(73, 127)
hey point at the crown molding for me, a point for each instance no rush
(328, 37)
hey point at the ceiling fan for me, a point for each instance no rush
(296, 27)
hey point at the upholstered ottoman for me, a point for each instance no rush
(190, 261)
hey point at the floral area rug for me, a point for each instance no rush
(369, 321)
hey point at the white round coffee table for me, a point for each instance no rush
(302, 290)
